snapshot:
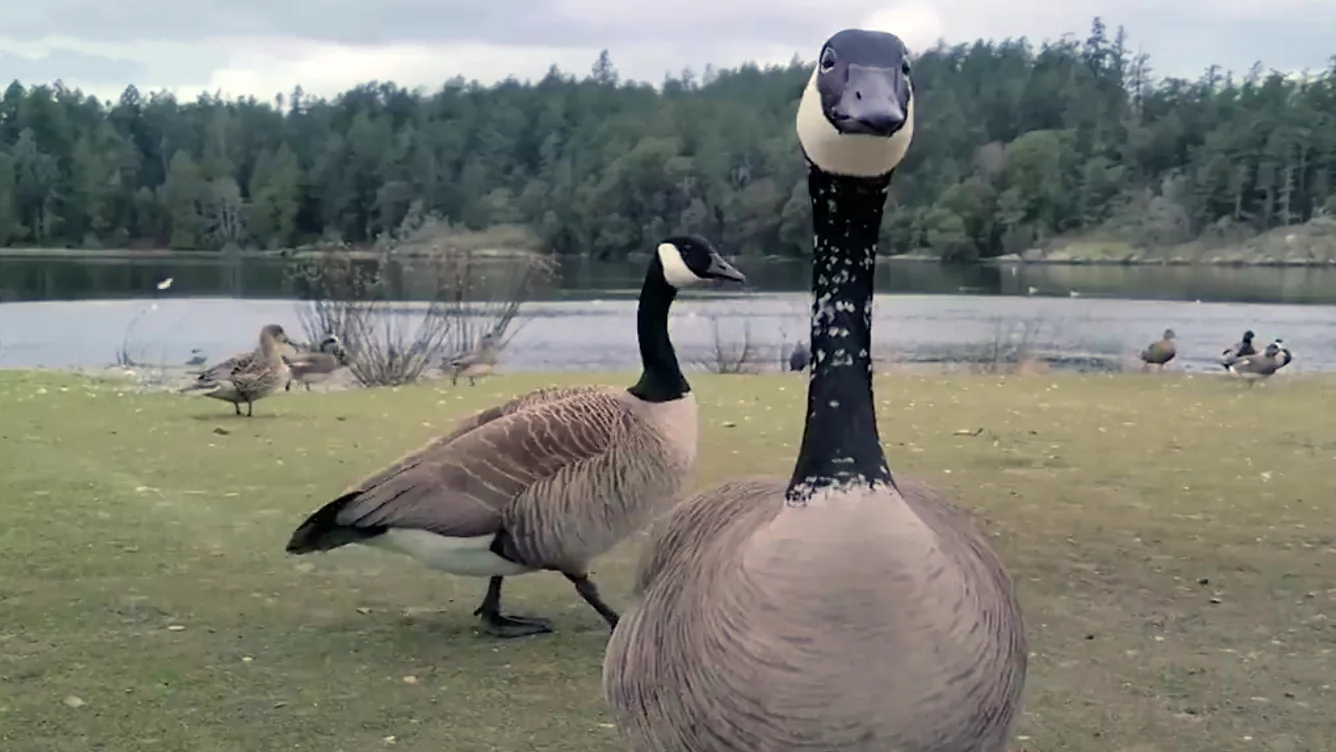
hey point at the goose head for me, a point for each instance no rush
(687, 260)
(1168, 334)
(856, 117)
(1248, 336)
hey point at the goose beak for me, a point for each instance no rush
(721, 269)
(870, 103)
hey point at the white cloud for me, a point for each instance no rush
(247, 46)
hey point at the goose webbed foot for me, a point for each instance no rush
(237, 406)
(502, 625)
(508, 627)
(589, 591)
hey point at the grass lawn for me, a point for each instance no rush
(1173, 539)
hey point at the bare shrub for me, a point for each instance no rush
(132, 352)
(470, 292)
(729, 355)
(1013, 347)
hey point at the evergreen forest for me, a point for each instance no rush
(1016, 144)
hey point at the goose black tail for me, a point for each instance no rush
(322, 531)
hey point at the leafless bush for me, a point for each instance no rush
(731, 355)
(469, 293)
(131, 353)
(1013, 346)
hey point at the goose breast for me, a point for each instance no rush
(750, 581)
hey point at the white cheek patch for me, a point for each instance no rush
(675, 270)
(855, 154)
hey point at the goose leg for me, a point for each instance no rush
(498, 624)
(288, 387)
(237, 406)
(250, 408)
(589, 591)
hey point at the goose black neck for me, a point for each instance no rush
(661, 378)
(840, 440)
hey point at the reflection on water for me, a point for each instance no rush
(925, 312)
(599, 333)
(25, 278)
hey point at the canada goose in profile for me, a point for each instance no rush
(1159, 353)
(309, 368)
(842, 609)
(549, 480)
(476, 364)
(1242, 349)
(1256, 367)
(800, 358)
(247, 377)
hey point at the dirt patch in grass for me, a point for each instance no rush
(1173, 538)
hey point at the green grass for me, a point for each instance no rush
(1172, 538)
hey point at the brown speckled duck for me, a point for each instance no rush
(1159, 353)
(248, 377)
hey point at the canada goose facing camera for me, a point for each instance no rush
(314, 367)
(547, 481)
(248, 377)
(842, 608)
(1161, 352)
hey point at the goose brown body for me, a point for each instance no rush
(548, 480)
(866, 620)
(840, 609)
(547, 476)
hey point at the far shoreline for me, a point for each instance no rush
(1056, 258)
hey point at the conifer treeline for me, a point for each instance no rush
(1015, 143)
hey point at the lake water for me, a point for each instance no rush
(78, 312)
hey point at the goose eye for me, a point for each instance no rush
(827, 60)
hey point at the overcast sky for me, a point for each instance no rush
(263, 47)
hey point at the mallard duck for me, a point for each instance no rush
(248, 377)
(1242, 349)
(1256, 367)
(476, 364)
(1160, 352)
(800, 358)
(314, 367)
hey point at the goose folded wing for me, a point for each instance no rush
(461, 488)
(522, 402)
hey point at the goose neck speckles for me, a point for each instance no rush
(661, 378)
(841, 444)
